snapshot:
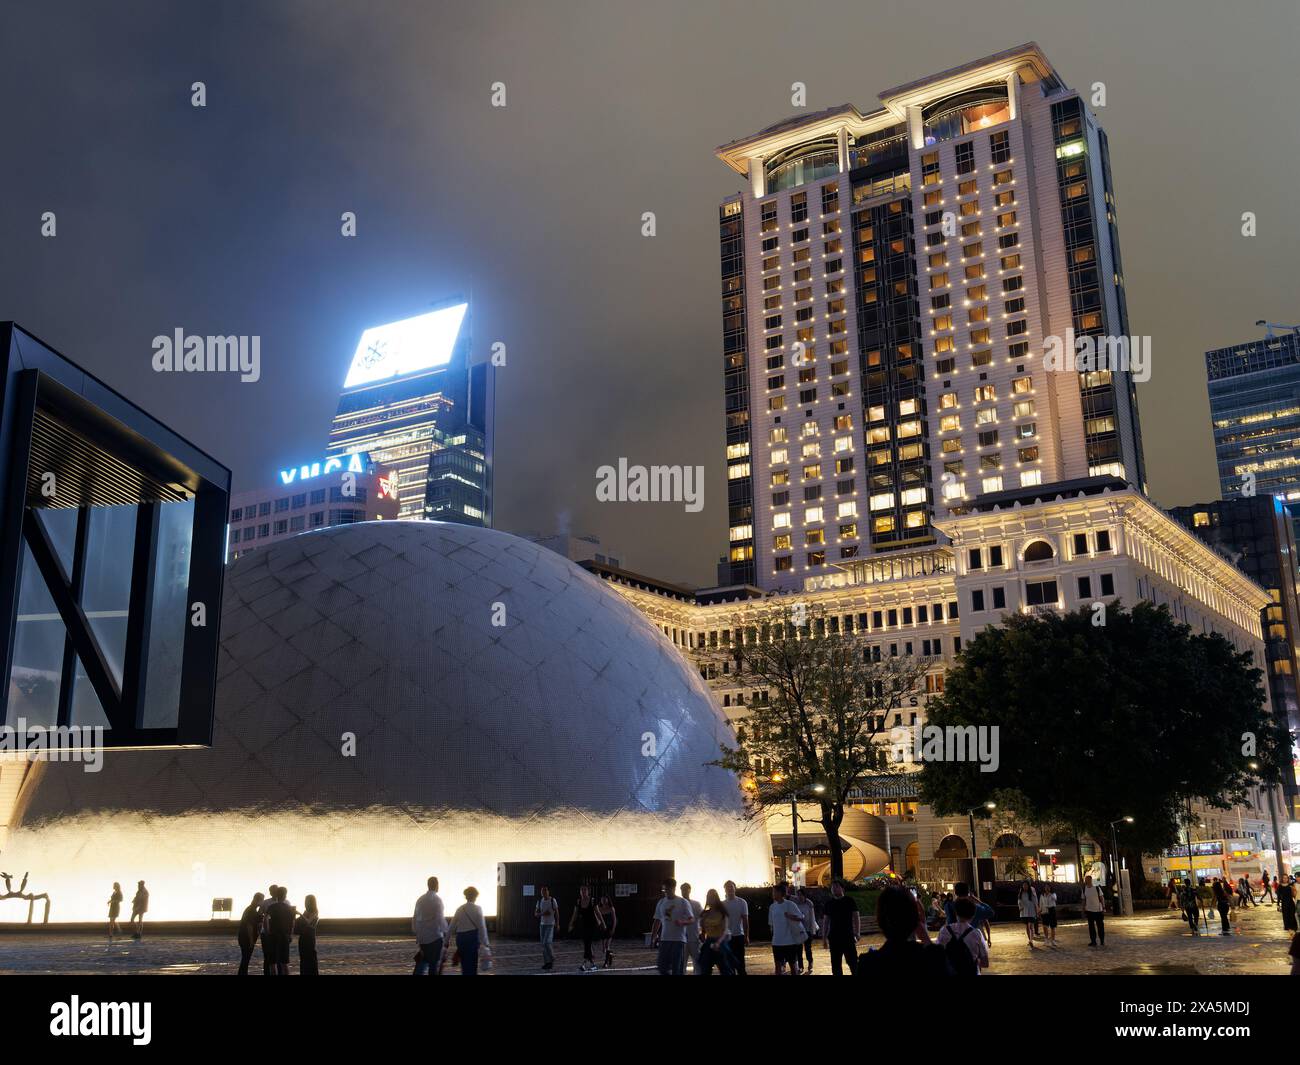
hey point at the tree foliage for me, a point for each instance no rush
(818, 735)
(1132, 717)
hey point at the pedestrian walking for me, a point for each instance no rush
(1047, 908)
(737, 925)
(114, 910)
(1266, 888)
(547, 912)
(692, 929)
(305, 927)
(429, 925)
(1027, 904)
(1286, 900)
(964, 947)
(586, 922)
(714, 932)
(668, 932)
(842, 929)
(1094, 909)
(608, 928)
(1223, 903)
(139, 907)
(789, 930)
(1188, 898)
(808, 907)
(470, 929)
(250, 930)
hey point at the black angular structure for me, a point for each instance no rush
(111, 561)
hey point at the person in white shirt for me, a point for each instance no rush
(737, 924)
(788, 930)
(1094, 909)
(546, 911)
(429, 924)
(811, 929)
(1027, 903)
(1047, 909)
(692, 930)
(470, 930)
(672, 916)
(966, 932)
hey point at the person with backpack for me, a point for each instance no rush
(984, 914)
(962, 942)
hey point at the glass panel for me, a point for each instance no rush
(106, 596)
(61, 526)
(167, 623)
(35, 676)
(87, 710)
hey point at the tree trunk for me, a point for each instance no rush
(831, 820)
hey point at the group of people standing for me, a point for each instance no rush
(1227, 894)
(715, 934)
(139, 907)
(272, 921)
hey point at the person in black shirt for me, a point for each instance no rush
(901, 918)
(279, 931)
(305, 926)
(841, 927)
(250, 927)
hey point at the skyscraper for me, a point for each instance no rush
(412, 401)
(891, 283)
(1255, 410)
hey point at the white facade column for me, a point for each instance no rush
(842, 142)
(1013, 94)
(756, 177)
(916, 127)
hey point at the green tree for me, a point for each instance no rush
(1101, 721)
(820, 732)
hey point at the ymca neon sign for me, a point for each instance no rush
(333, 464)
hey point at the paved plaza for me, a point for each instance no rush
(1149, 943)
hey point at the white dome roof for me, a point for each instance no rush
(573, 730)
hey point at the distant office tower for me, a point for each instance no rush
(415, 405)
(340, 490)
(1255, 409)
(1257, 535)
(891, 282)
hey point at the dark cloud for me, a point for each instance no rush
(226, 220)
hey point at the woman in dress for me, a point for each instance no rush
(1047, 907)
(1027, 902)
(608, 923)
(114, 910)
(1286, 896)
(308, 963)
(470, 930)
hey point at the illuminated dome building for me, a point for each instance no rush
(398, 699)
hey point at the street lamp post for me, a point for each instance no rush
(974, 851)
(1114, 858)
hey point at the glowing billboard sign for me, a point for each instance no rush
(413, 344)
(351, 463)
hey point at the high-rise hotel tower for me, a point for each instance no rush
(890, 282)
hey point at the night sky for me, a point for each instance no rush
(225, 220)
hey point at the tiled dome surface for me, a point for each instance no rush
(384, 631)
